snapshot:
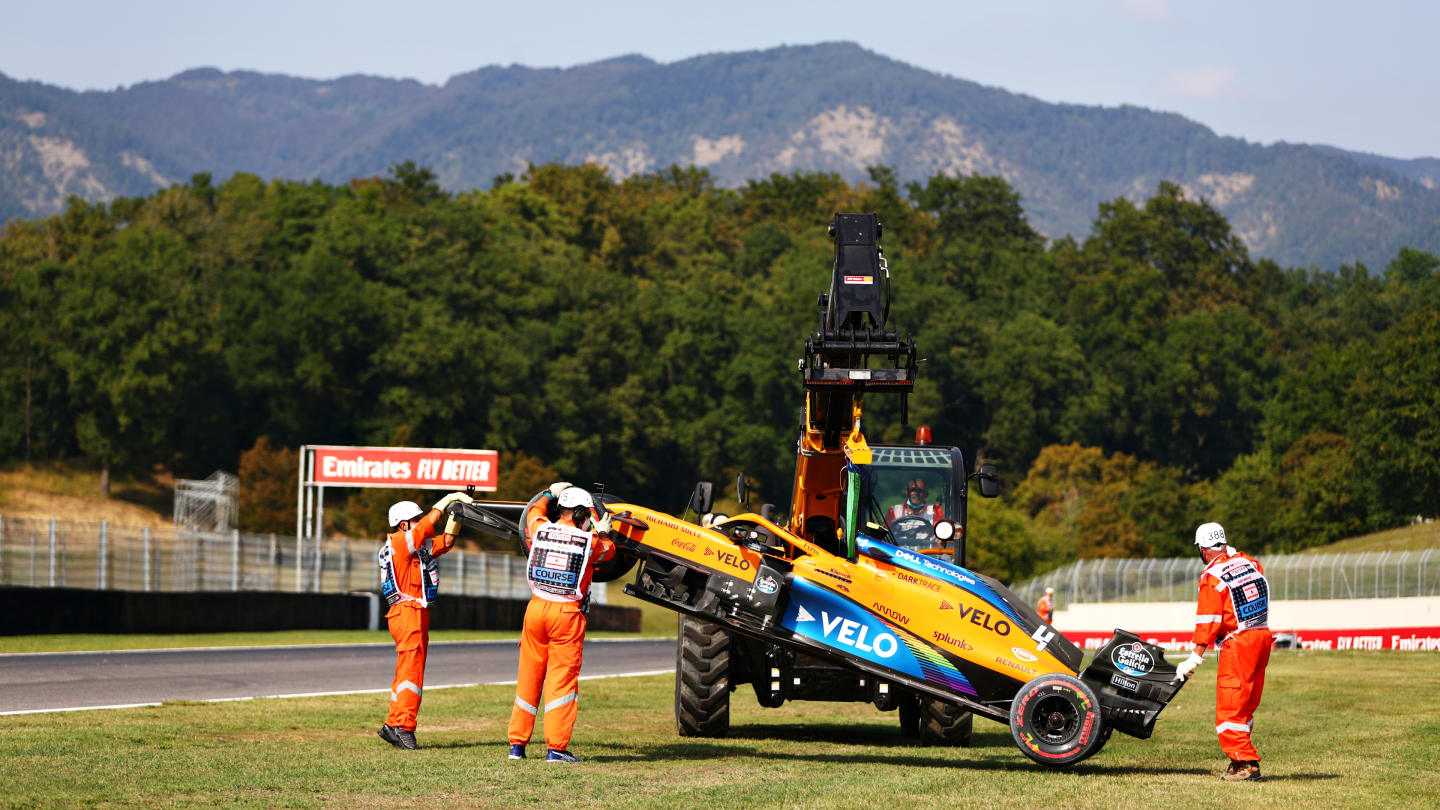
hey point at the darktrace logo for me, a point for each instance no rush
(914, 580)
(1133, 659)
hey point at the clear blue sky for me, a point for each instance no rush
(1358, 75)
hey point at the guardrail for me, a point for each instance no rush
(1355, 575)
(48, 552)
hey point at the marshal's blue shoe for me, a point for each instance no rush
(561, 756)
(517, 752)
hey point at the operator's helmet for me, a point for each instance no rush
(1049, 591)
(1210, 535)
(404, 510)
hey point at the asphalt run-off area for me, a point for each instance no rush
(72, 681)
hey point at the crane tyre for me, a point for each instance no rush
(944, 723)
(702, 679)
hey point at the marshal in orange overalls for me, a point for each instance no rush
(1244, 639)
(551, 647)
(410, 619)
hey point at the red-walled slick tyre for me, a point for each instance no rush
(1056, 721)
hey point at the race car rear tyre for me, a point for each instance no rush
(702, 679)
(1056, 721)
(944, 723)
(614, 568)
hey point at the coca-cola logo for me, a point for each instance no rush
(1132, 659)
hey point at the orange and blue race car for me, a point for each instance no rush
(895, 623)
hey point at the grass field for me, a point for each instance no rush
(1406, 538)
(1336, 730)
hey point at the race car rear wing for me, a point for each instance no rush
(1134, 683)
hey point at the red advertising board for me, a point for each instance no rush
(1382, 638)
(407, 467)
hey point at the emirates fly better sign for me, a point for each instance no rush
(418, 467)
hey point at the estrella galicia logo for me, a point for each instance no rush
(1132, 659)
(767, 585)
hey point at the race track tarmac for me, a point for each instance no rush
(60, 681)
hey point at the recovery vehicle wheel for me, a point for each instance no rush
(944, 723)
(702, 679)
(1056, 721)
(909, 710)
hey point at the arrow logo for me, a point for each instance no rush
(803, 615)
(946, 605)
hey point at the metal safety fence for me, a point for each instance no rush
(1355, 575)
(46, 552)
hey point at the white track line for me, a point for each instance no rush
(319, 694)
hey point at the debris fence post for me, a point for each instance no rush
(100, 555)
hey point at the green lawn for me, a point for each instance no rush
(1416, 537)
(1336, 729)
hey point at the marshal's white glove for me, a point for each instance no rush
(452, 498)
(1188, 666)
(601, 526)
(558, 487)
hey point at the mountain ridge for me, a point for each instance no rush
(741, 115)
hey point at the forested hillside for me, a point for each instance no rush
(832, 107)
(1130, 384)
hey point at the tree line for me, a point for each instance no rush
(644, 333)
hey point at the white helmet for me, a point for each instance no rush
(1210, 535)
(404, 510)
(1049, 590)
(575, 496)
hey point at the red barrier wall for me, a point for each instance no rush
(1380, 638)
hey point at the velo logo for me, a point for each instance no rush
(854, 634)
